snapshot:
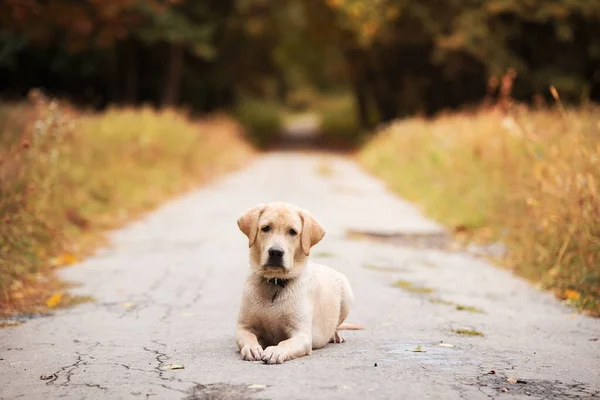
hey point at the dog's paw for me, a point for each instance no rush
(337, 338)
(251, 353)
(273, 355)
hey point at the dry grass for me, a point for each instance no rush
(528, 178)
(65, 177)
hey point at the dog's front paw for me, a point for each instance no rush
(337, 338)
(251, 353)
(273, 355)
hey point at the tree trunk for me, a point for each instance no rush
(131, 85)
(172, 86)
(361, 101)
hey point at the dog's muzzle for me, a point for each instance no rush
(275, 259)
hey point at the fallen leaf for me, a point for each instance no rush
(171, 366)
(448, 345)
(504, 390)
(257, 386)
(572, 295)
(45, 377)
(54, 300)
(492, 372)
(593, 340)
(511, 380)
(128, 305)
(63, 259)
(418, 349)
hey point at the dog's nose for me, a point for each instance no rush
(276, 252)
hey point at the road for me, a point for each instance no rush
(168, 287)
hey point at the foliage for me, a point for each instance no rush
(529, 178)
(423, 56)
(339, 120)
(398, 56)
(65, 176)
(261, 119)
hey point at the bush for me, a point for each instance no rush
(261, 119)
(66, 176)
(339, 121)
(529, 179)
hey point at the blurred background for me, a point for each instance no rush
(473, 109)
(380, 59)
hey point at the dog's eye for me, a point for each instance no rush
(293, 232)
(266, 228)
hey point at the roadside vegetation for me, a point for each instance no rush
(262, 119)
(528, 177)
(67, 176)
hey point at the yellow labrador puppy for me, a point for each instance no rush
(289, 305)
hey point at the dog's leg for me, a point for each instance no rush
(298, 345)
(346, 301)
(337, 338)
(248, 344)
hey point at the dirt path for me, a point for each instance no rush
(168, 289)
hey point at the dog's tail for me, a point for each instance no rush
(346, 326)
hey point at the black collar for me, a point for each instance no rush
(277, 282)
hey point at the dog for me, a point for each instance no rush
(289, 306)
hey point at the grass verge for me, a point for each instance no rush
(66, 177)
(339, 121)
(262, 120)
(528, 178)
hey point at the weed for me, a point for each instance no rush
(380, 268)
(66, 177)
(529, 178)
(411, 288)
(467, 332)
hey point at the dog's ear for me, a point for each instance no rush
(248, 222)
(312, 231)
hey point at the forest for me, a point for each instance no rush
(396, 57)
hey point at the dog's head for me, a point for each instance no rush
(280, 237)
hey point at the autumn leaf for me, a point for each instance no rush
(63, 259)
(572, 295)
(54, 300)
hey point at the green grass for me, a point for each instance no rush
(411, 288)
(461, 307)
(262, 119)
(467, 332)
(458, 307)
(339, 121)
(324, 254)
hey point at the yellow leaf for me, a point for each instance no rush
(127, 305)
(54, 300)
(572, 294)
(63, 259)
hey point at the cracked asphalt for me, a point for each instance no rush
(168, 287)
